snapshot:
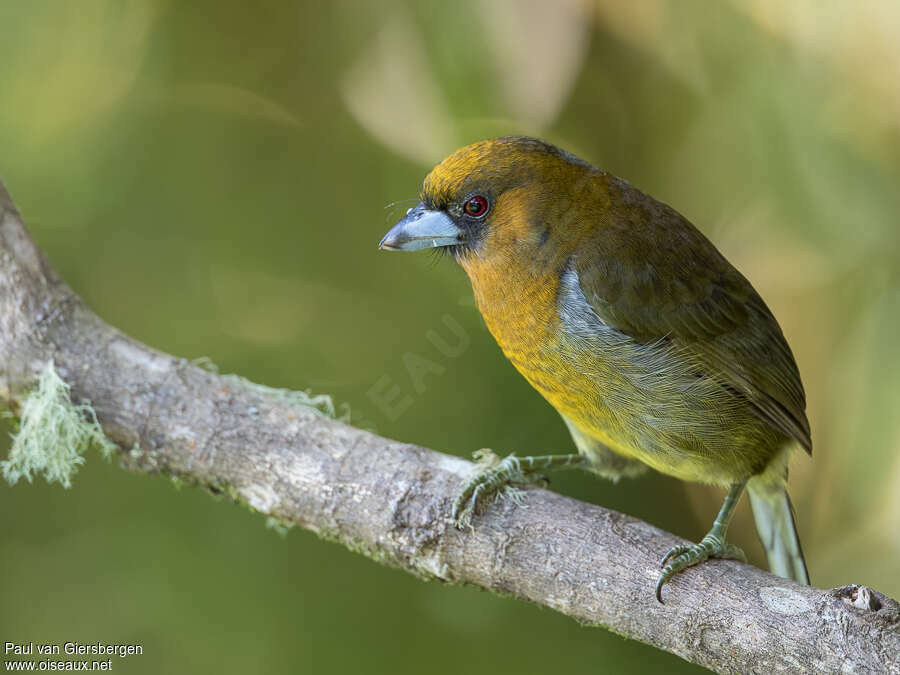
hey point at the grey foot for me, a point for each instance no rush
(683, 557)
(490, 482)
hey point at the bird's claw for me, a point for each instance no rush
(490, 482)
(683, 557)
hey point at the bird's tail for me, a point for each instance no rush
(777, 529)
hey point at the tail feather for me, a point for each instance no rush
(777, 529)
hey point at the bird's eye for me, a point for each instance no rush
(476, 206)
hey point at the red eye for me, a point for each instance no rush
(476, 206)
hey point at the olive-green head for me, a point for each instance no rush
(499, 197)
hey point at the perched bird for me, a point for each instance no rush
(653, 348)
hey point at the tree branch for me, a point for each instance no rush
(391, 500)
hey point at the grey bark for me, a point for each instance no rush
(391, 500)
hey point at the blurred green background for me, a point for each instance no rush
(212, 177)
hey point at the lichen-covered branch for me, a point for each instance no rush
(391, 501)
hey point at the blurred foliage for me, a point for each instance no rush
(212, 178)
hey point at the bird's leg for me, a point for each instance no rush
(713, 545)
(496, 474)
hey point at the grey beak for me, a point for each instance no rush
(422, 228)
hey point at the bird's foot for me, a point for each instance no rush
(493, 481)
(682, 557)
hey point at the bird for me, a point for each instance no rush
(653, 348)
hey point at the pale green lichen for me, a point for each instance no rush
(280, 527)
(321, 403)
(53, 434)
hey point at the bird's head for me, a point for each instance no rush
(497, 199)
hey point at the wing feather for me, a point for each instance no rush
(652, 275)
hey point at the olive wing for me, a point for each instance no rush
(650, 274)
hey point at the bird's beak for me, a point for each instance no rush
(422, 228)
